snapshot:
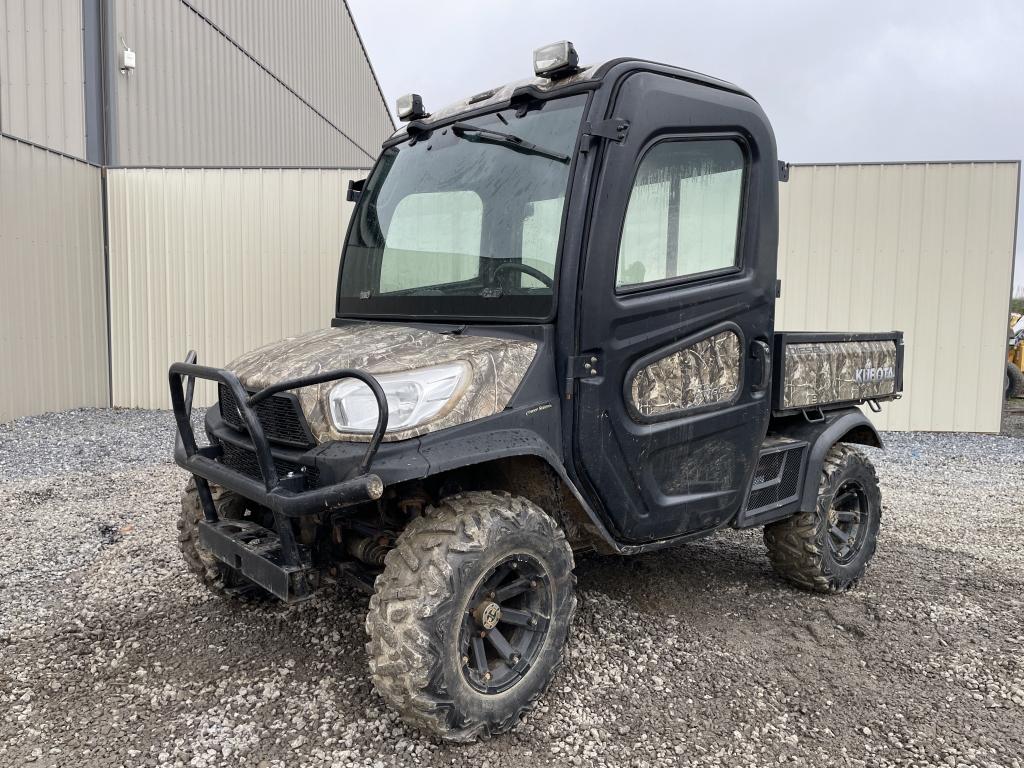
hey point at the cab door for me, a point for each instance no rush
(675, 316)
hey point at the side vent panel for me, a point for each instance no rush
(776, 482)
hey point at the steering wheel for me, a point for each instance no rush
(526, 269)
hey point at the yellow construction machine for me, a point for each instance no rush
(1015, 357)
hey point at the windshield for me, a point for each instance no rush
(464, 222)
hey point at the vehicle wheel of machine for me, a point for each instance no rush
(215, 575)
(829, 549)
(1014, 381)
(468, 621)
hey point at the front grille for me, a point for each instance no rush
(281, 417)
(244, 461)
(776, 478)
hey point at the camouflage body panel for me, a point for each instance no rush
(705, 373)
(498, 366)
(837, 372)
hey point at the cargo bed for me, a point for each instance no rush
(822, 371)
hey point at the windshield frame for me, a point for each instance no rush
(345, 306)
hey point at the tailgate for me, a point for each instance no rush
(831, 370)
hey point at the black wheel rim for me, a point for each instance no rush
(505, 623)
(847, 521)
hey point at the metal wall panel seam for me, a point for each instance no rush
(277, 79)
(104, 212)
(44, 148)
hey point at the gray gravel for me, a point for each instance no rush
(111, 655)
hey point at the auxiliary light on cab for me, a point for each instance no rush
(556, 60)
(410, 107)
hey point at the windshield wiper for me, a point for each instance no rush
(509, 140)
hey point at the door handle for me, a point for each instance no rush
(759, 350)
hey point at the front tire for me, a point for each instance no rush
(829, 549)
(468, 622)
(217, 577)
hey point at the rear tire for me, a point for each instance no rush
(828, 549)
(468, 622)
(217, 577)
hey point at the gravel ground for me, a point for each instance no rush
(1013, 418)
(111, 655)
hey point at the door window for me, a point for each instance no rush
(683, 213)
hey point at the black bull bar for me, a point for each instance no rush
(285, 497)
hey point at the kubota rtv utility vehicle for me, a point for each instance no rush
(554, 332)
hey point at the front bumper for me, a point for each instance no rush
(271, 558)
(279, 499)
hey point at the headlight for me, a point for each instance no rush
(414, 398)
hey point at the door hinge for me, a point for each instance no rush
(612, 130)
(581, 367)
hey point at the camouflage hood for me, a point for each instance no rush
(498, 366)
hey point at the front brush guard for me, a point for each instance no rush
(283, 496)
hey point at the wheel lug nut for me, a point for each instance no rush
(533, 584)
(491, 595)
(465, 659)
(487, 675)
(533, 622)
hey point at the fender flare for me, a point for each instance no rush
(849, 426)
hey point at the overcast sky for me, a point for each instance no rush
(863, 80)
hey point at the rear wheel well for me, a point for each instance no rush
(862, 434)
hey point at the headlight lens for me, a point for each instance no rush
(414, 398)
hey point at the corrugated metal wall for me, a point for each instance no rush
(196, 99)
(289, 37)
(42, 96)
(53, 328)
(221, 261)
(926, 248)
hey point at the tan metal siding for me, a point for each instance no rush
(220, 261)
(195, 99)
(53, 330)
(924, 248)
(42, 80)
(216, 260)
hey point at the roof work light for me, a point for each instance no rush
(410, 107)
(556, 60)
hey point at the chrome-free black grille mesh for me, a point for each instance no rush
(769, 468)
(281, 417)
(791, 473)
(244, 461)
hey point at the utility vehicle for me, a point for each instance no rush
(554, 333)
